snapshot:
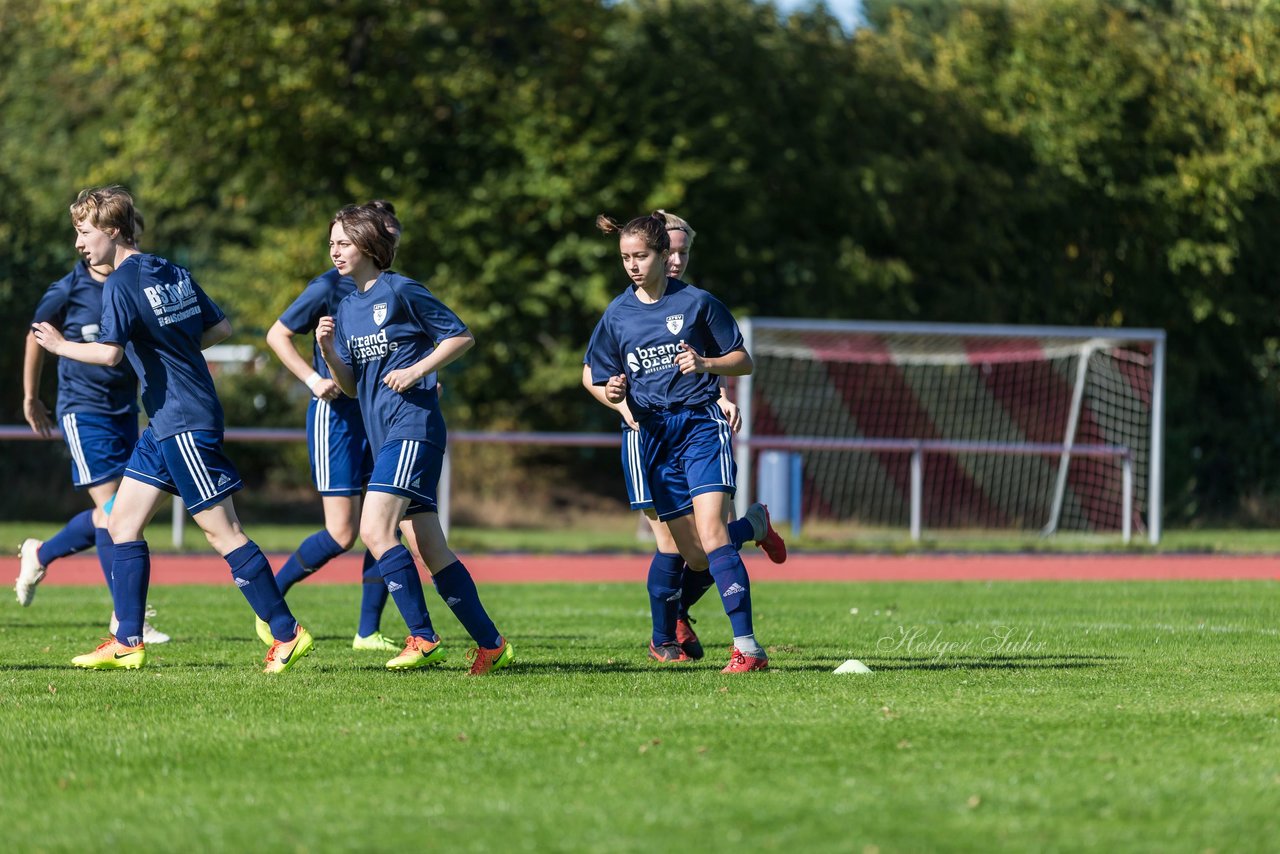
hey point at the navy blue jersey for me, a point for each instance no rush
(156, 311)
(395, 324)
(73, 304)
(586, 360)
(642, 341)
(318, 299)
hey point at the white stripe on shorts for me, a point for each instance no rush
(404, 468)
(726, 452)
(72, 432)
(196, 467)
(636, 463)
(320, 447)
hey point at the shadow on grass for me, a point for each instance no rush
(519, 666)
(55, 626)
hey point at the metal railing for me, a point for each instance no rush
(917, 448)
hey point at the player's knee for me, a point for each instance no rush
(698, 562)
(343, 535)
(377, 538)
(99, 518)
(121, 532)
(225, 542)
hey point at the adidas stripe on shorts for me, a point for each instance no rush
(100, 445)
(411, 469)
(190, 465)
(340, 459)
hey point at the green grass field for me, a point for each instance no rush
(1028, 716)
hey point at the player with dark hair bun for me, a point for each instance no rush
(660, 347)
(675, 584)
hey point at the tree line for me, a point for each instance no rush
(1078, 162)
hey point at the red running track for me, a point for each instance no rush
(516, 569)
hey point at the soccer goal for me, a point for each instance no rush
(953, 426)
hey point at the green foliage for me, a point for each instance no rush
(1108, 162)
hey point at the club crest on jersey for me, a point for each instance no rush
(675, 323)
(380, 313)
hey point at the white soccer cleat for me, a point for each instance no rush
(30, 572)
(150, 634)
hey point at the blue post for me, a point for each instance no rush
(797, 492)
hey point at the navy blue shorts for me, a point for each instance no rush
(687, 452)
(340, 459)
(633, 470)
(100, 445)
(410, 469)
(190, 465)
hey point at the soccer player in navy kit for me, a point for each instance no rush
(98, 412)
(659, 347)
(153, 312)
(384, 346)
(675, 585)
(341, 462)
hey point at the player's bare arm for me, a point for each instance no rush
(94, 354)
(216, 334)
(33, 408)
(280, 340)
(734, 364)
(342, 373)
(444, 353)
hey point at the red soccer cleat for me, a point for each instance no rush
(766, 537)
(667, 653)
(485, 660)
(688, 640)
(740, 663)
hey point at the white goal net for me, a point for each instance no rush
(949, 426)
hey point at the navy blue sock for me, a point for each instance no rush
(75, 537)
(130, 578)
(664, 595)
(106, 552)
(730, 575)
(252, 574)
(693, 585)
(740, 532)
(405, 585)
(373, 597)
(458, 590)
(314, 552)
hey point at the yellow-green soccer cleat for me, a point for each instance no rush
(485, 660)
(417, 652)
(284, 654)
(263, 628)
(376, 642)
(112, 655)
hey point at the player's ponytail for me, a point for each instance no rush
(652, 229)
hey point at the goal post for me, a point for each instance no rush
(954, 426)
